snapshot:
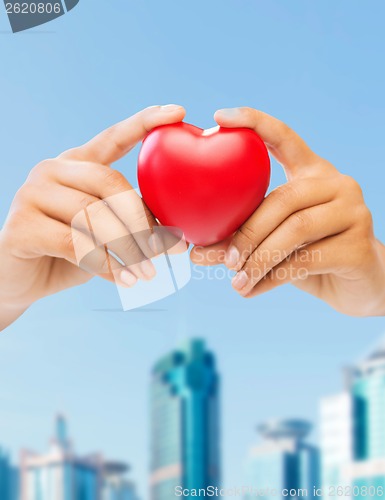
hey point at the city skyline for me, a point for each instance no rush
(185, 440)
(314, 65)
(61, 474)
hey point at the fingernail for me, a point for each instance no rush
(229, 112)
(240, 280)
(155, 244)
(128, 278)
(170, 107)
(148, 269)
(232, 257)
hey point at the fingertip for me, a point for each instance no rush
(171, 108)
(227, 117)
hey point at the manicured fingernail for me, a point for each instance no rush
(240, 280)
(148, 269)
(155, 244)
(128, 278)
(229, 112)
(232, 257)
(170, 107)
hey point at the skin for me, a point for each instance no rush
(315, 231)
(60, 221)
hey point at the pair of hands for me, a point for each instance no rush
(314, 231)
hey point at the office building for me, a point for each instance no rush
(283, 464)
(116, 485)
(353, 431)
(184, 421)
(59, 474)
(9, 478)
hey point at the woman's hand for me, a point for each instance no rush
(67, 212)
(315, 231)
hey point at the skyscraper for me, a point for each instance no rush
(60, 474)
(283, 464)
(184, 421)
(8, 478)
(116, 486)
(353, 431)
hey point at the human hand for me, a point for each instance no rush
(315, 231)
(70, 205)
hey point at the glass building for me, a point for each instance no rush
(353, 431)
(59, 474)
(9, 478)
(116, 486)
(283, 465)
(184, 421)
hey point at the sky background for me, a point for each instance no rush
(319, 66)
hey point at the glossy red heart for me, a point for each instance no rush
(204, 182)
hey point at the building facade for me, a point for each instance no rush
(116, 486)
(9, 478)
(59, 474)
(353, 432)
(184, 421)
(283, 464)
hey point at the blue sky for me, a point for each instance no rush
(316, 65)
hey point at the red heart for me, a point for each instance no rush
(204, 182)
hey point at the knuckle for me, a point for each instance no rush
(364, 218)
(72, 154)
(114, 180)
(85, 202)
(249, 113)
(68, 242)
(111, 137)
(286, 194)
(245, 238)
(42, 168)
(18, 222)
(300, 222)
(351, 186)
(23, 195)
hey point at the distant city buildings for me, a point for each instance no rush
(116, 486)
(60, 474)
(9, 478)
(184, 421)
(353, 432)
(185, 444)
(283, 462)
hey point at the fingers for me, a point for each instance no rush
(274, 210)
(105, 228)
(93, 217)
(302, 228)
(55, 239)
(210, 256)
(308, 268)
(115, 142)
(109, 185)
(284, 144)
